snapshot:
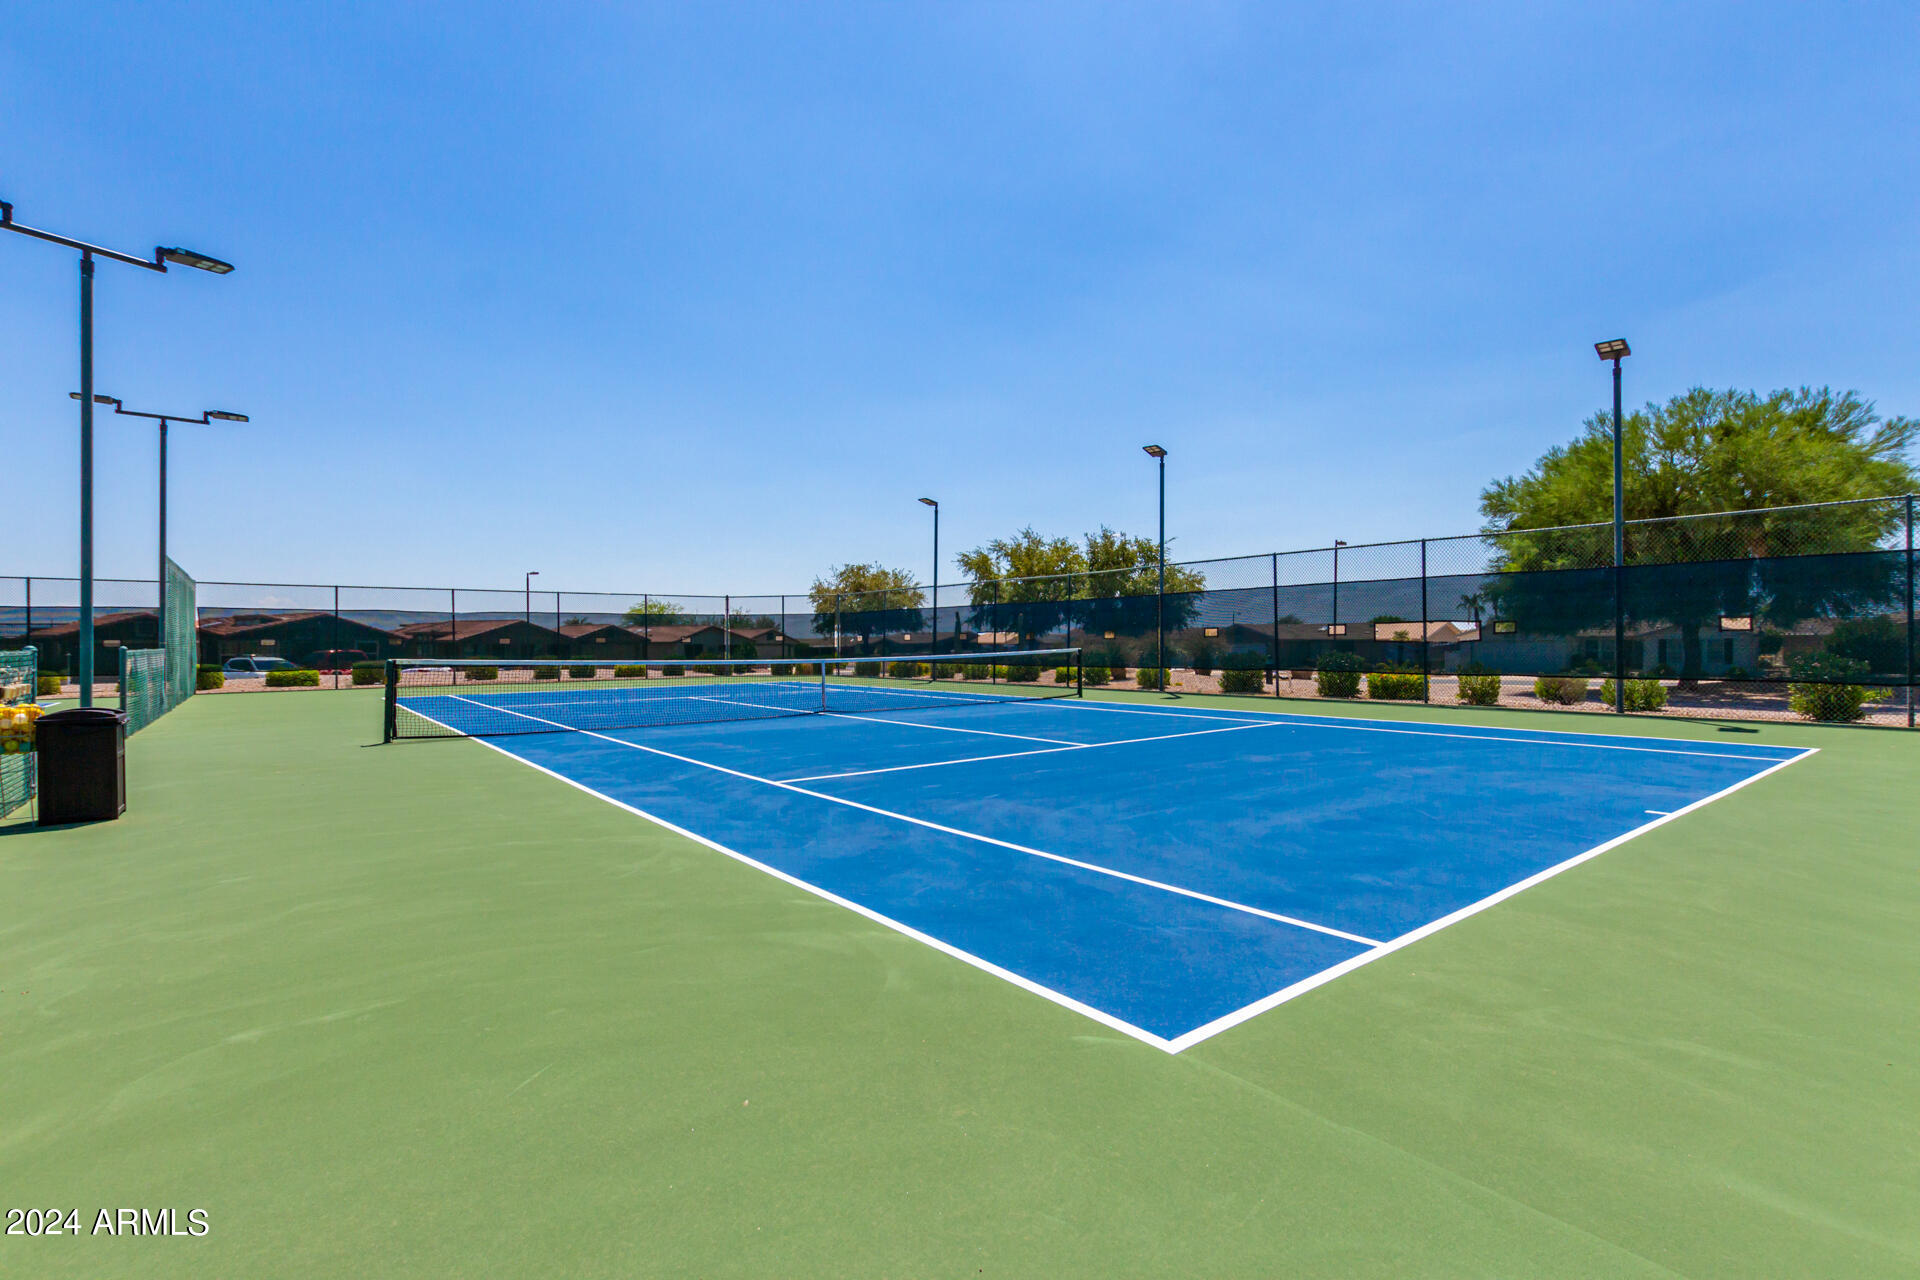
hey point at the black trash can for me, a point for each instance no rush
(83, 765)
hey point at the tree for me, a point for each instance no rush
(1704, 452)
(1052, 583)
(654, 612)
(864, 599)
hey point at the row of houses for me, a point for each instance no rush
(311, 638)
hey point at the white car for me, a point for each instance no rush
(255, 665)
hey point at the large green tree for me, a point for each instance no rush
(1052, 582)
(865, 599)
(1705, 452)
(655, 612)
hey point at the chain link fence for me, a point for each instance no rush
(1784, 612)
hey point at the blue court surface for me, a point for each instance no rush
(1166, 870)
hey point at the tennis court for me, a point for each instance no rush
(1167, 870)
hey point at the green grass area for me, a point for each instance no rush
(420, 1010)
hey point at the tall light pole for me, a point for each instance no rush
(528, 585)
(206, 418)
(934, 646)
(1333, 629)
(161, 257)
(1160, 664)
(1617, 350)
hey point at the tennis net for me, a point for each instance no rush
(467, 698)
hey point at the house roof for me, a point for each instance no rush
(99, 620)
(465, 628)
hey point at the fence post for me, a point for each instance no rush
(726, 628)
(1426, 635)
(453, 626)
(1619, 637)
(836, 637)
(1274, 648)
(36, 676)
(1910, 623)
(335, 642)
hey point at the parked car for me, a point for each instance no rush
(255, 665)
(338, 659)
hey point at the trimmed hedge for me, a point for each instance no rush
(480, 673)
(539, 673)
(1565, 691)
(50, 686)
(1151, 677)
(1338, 675)
(580, 673)
(1396, 685)
(1095, 675)
(1063, 675)
(1480, 689)
(297, 679)
(1243, 680)
(629, 672)
(1023, 674)
(907, 670)
(206, 678)
(1642, 695)
(369, 673)
(674, 670)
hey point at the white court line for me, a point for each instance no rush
(1198, 1034)
(1661, 812)
(1322, 722)
(1043, 751)
(1095, 867)
(1327, 975)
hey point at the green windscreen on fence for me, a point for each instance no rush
(19, 684)
(155, 681)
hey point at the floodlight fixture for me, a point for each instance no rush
(1612, 349)
(224, 416)
(1153, 451)
(188, 258)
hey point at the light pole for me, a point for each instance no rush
(1617, 350)
(206, 418)
(528, 586)
(1334, 629)
(161, 257)
(1159, 455)
(934, 646)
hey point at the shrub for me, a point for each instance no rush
(1243, 680)
(1642, 695)
(1396, 684)
(50, 685)
(579, 673)
(1063, 675)
(1205, 656)
(907, 670)
(369, 673)
(1095, 675)
(999, 671)
(1821, 690)
(1479, 688)
(1151, 677)
(540, 673)
(673, 670)
(482, 673)
(205, 678)
(630, 671)
(1338, 675)
(1025, 673)
(977, 671)
(1567, 691)
(292, 679)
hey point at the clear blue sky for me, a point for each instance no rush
(702, 297)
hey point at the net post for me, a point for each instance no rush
(823, 678)
(390, 714)
(1079, 674)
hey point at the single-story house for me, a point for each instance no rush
(505, 638)
(112, 632)
(603, 642)
(300, 638)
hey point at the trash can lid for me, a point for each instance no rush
(84, 715)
